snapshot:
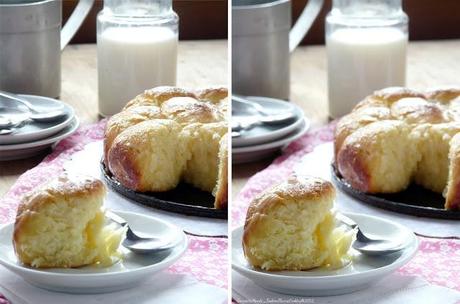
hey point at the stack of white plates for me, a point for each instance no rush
(33, 137)
(263, 140)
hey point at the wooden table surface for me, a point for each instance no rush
(430, 63)
(200, 64)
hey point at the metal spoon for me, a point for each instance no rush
(6, 131)
(259, 120)
(138, 244)
(239, 127)
(5, 122)
(367, 245)
(35, 114)
(244, 102)
(8, 126)
(263, 117)
(48, 116)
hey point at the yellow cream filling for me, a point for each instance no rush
(104, 240)
(334, 242)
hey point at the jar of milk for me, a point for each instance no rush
(136, 50)
(366, 43)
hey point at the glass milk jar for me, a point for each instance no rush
(136, 50)
(366, 43)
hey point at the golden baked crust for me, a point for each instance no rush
(291, 227)
(397, 136)
(148, 156)
(295, 188)
(58, 189)
(169, 134)
(125, 119)
(157, 95)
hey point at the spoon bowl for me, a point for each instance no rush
(375, 246)
(257, 115)
(146, 245)
(367, 245)
(141, 244)
(6, 131)
(48, 116)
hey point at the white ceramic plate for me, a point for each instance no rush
(130, 271)
(24, 150)
(266, 133)
(357, 275)
(257, 152)
(34, 131)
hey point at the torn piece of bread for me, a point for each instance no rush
(62, 224)
(292, 227)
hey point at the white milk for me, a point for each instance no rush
(131, 60)
(361, 61)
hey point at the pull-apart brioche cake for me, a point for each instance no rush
(167, 135)
(62, 224)
(399, 136)
(292, 227)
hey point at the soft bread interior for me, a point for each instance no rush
(433, 145)
(220, 191)
(298, 235)
(203, 142)
(68, 233)
(451, 192)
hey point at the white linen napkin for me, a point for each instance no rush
(318, 163)
(161, 288)
(87, 161)
(394, 289)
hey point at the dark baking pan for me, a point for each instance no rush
(415, 200)
(184, 199)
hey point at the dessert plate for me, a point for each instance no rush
(266, 133)
(34, 131)
(92, 279)
(257, 152)
(184, 199)
(24, 150)
(415, 200)
(359, 274)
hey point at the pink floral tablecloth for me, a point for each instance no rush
(206, 258)
(437, 260)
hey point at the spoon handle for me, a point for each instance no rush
(360, 236)
(117, 219)
(20, 100)
(346, 220)
(130, 235)
(249, 103)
